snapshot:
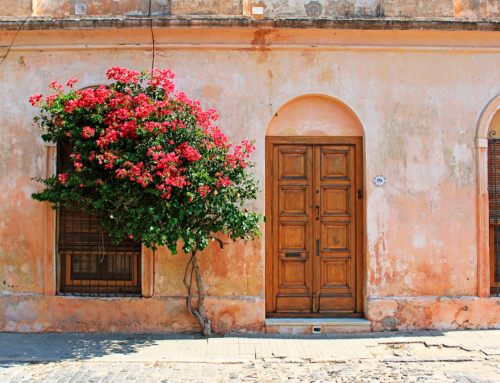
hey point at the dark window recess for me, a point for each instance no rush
(494, 207)
(89, 263)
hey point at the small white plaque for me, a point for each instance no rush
(257, 10)
(379, 180)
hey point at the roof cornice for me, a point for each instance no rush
(441, 24)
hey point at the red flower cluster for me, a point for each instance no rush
(88, 99)
(55, 85)
(190, 153)
(35, 99)
(167, 166)
(136, 173)
(76, 162)
(71, 81)
(161, 78)
(130, 116)
(63, 178)
(88, 132)
(123, 75)
(223, 181)
(239, 155)
(203, 190)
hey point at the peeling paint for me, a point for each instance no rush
(416, 116)
(433, 313)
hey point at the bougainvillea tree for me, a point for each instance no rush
(148, 161)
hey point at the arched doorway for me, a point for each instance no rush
(314, 206)
(488, 166)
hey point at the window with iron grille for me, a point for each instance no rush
(494, 207)
(89, 263)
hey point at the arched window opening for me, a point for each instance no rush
(89, 263)
(494, 202)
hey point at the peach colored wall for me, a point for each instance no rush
(15, 8)
(477, 9)
(207, 7)
(157, 314)
(419, 120)
(314, 115)
(418, 8)
(440, 313)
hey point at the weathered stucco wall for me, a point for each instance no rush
(15, 8)
(207, 7)
(418, 8)
(471, 9)
(477, 9)
(64, 8)
(419, 120)
(438, 313)
(330, 8)
(66, 314)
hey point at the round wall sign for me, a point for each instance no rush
(379, 180)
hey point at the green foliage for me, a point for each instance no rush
(148, 161)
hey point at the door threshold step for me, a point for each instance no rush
(295, 326)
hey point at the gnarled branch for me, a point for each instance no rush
(221, 244)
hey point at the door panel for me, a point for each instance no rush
(334, 164)
(294, 273)
(315, 265)
(292, 249)
(293, 236)
(293, 304)
(335, 273)
(336, 303)
(335, 200)
(293, 200)
(335, 236)
(293, 164)
(335, 228)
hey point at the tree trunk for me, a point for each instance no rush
(199, 311)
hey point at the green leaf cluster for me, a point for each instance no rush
(128, 208)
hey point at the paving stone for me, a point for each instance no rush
(169, 359)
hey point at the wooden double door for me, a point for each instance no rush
(314, 232)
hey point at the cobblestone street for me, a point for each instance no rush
(430, 356)
(359, 371)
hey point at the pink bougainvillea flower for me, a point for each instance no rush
(71, 81)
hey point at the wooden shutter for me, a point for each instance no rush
(90, 264)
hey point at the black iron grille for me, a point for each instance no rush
(494, 207)
(89, 263)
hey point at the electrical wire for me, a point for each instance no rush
(152, 38)
(41, 1)
(21, 27)
(15, 36)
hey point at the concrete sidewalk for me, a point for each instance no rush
(242, 348)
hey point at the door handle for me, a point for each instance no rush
(317, 217)
(317, 247)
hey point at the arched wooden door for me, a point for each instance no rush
(314, 229)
